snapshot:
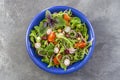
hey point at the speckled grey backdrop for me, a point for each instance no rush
(15, 16)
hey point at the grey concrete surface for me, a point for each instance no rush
(15, 16)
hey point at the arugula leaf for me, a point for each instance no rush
(44, 43)
(45, 59)
(65, 39)
(50, 64)
(42, 29)
(74, 21)
(84, 30)
(32, 39)
(62, 65)
(69, 12)
(33, 34)
(61, 49)
(49, 49)
(37, 29)
(79, 55)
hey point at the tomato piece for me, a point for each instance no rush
(80, 44)
(56, 62)
(66, 17)
(54, 43)
(51, 37)
(67, 23)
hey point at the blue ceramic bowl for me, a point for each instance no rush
(37, 60)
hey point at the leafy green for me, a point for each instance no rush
(60, 22)
(42, 29)
(44, 43)
(62, 49)
(46, 59)
(50, 20)
(73, 34)
(33, 33)
(48, 14)
(62, 65)
(47, 50)
(59, 14)
(32, 40)
(79, 26)
(74, 21)
(79, 55)
(51, 62)
(65, 39)
(84, 30)
(33, 37)
(37, 29)
(69, 12)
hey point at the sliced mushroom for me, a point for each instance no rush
(37, 45)
(67, 62)
(56, 50)
(49, 31)
(67, 29)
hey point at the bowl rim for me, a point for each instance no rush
(35, 61)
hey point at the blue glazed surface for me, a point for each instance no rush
(37, 60)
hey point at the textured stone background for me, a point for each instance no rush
(15, 16)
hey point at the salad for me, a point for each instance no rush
(61, 39)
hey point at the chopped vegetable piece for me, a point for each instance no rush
(67, 35)
(56, 62)
(51, 37)
(67, 29)
(37, 45)
(54, 43)
(78, 38)
(56, 50)
(67, 62)
(59, 30)
(67, 23)
(66, 17)
(80, 44)
(44, 37)
(67, 51)
(49, 31)
(72, 50)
